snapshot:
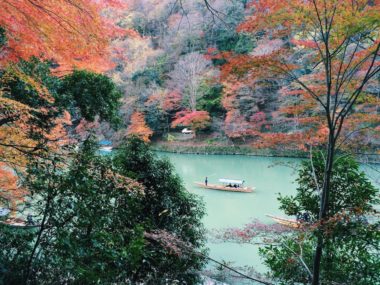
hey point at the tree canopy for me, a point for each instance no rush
(97, 218)
(351, 236)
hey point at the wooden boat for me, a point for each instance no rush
(291, 223)
(106, 148)
(18, 223)
(227, 185)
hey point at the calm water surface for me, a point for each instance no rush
(269, 175)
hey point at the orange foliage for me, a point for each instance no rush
(72, 33)
(15, 117)
(138, 127)
(23, 133)
(86, 128)
(172, 101)
(289, 44)
(166, 101)
(237, 126)
(292, 141)
(10, 192)
(197, 120)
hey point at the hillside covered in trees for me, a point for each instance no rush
(188, 66)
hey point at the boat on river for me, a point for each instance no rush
(231, 185)
(291, 223)
(18, 223)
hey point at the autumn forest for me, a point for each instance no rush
(94, 92)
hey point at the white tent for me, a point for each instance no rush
(231, 181)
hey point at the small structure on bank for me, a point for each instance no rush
(105, 146)
(187, 131)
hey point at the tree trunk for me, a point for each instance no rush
(36, 244)
(324, 206)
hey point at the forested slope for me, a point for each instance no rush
(192, 67)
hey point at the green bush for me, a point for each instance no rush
(92, 95)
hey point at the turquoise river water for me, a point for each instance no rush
(269, 175)
(226, 209)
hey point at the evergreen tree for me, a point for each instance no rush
(167, 206)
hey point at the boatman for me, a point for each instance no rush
(206, 181)
(29, 220)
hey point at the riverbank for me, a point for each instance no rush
(224, 150)
(247, 150)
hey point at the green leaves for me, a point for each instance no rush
(3, 37)
(351, 190)
(211, 100)
(93, 95)
(166, 206)
(351, 241)
(97, 212)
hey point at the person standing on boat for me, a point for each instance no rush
(206, 181)
(306, 217)
(29, 220)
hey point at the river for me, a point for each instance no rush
(269, 175)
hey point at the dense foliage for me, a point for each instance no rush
(39, 111)
(272, 74)
(352, 239)
(94, 218)
(72, 33)
(352, 191)
(246, 49)
(93, 94)
(166, 206)
(81, 212)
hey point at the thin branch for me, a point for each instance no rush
(313, 171)
(299, 256)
